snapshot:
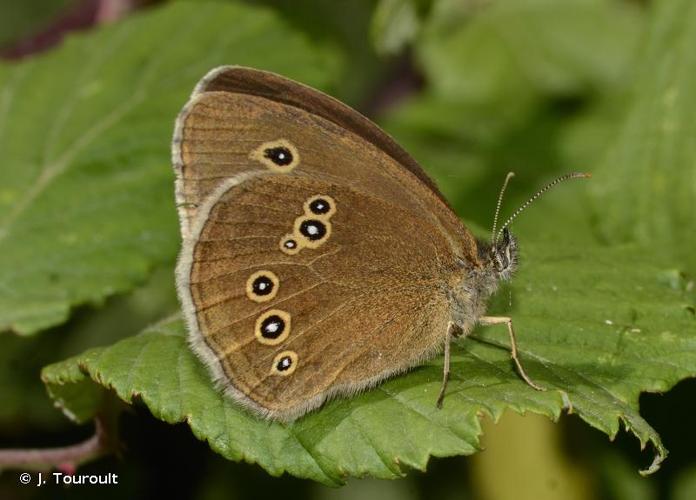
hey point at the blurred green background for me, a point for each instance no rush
(473, 89)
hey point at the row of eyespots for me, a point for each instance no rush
(279, 156)
(312, 229)
(273, 326)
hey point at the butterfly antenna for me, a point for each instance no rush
(509, 176)
(558, 180)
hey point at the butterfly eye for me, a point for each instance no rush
(272, 327)
(262, 286)
(284, 363)
(279, 156)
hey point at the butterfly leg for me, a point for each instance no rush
(497, 320)
(446, 368)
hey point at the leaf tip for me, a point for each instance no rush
(660, 455)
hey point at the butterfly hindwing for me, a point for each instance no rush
(354, 302)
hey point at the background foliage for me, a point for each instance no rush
(604, 301)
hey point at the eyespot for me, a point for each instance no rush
(290, 245)
(312, 231)
(320, 205)
(262, 286)
(272, 327)
(284, 363)
(279, 156)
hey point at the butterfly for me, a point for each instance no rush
(318, 258)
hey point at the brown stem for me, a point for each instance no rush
(62, 457)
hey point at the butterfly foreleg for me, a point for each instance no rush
(497, 320)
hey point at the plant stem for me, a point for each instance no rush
(65, 457)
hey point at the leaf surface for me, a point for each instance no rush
(86, 203)
(648, 187)
(513, 51)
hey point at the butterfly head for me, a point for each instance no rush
(502, 251)
(502, 255)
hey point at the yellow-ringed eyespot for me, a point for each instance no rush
(262, 286)
(321, 206)
(290, 245)
(284, 363)
(279, 156)
(272, 327)
(312, 231)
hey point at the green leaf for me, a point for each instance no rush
(512, 51)
(647, 191)
(596, 335)
(24, 401)
(395, 23)
(86, 203)
(508, 81)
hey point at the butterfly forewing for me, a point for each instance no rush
(218, 132)
(275, 88)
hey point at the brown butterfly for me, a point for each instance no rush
(318, 258)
